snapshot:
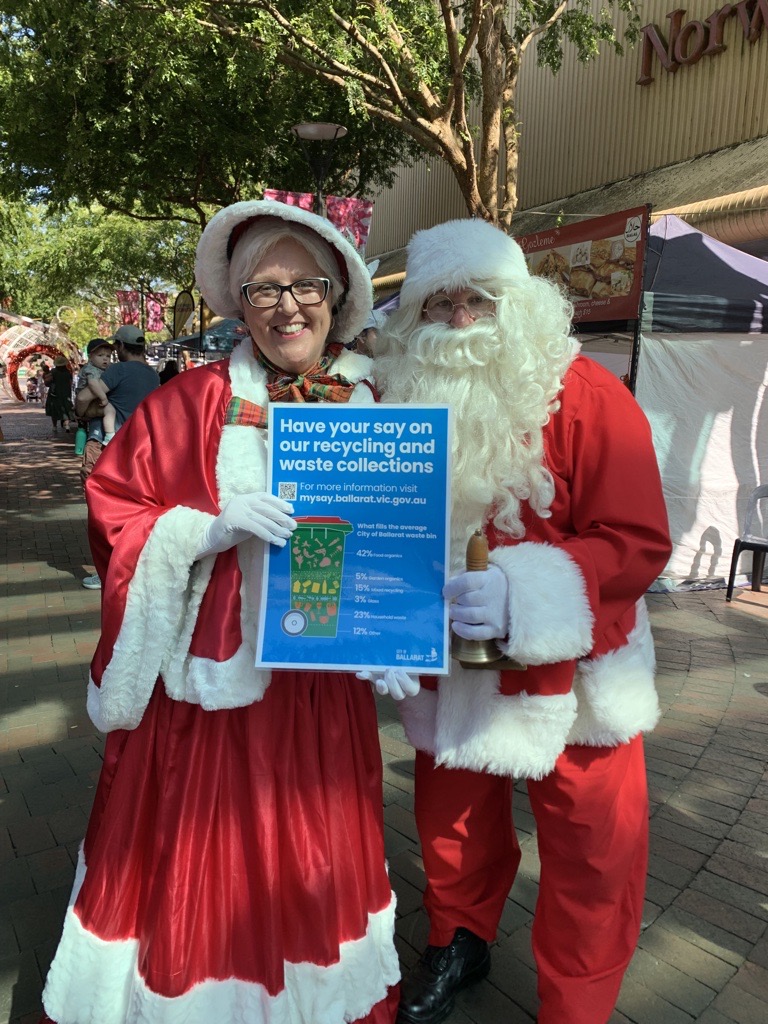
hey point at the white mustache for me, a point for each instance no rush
(447, 347)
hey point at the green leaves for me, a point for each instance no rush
(172, 109)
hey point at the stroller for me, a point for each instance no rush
(33, 390)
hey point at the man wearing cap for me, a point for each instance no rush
(119, 387)
(553, 462)
(126, 382)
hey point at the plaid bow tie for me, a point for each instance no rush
(316, 385)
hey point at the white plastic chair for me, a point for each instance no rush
(754, 538)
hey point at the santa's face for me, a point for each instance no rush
(499, 379)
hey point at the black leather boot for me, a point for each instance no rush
(427, 992)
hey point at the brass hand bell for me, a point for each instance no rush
(480, 653)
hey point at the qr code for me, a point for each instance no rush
(286, 491)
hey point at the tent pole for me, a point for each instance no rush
(634, 357)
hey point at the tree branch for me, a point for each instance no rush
(540, 29)
(357, 36)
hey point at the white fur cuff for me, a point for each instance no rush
(550, 618)
(153, 619)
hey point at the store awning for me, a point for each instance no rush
(724, 194)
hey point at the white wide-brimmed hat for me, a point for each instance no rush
(457, 254)
(214, 251)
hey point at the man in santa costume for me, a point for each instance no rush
(553, 460)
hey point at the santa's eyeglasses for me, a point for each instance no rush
(440, 308)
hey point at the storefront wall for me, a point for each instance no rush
(594, 124)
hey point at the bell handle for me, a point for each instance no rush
(477, 552)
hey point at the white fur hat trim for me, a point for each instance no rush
(459, 253)
(212, 263)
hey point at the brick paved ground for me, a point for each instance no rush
(703, 954)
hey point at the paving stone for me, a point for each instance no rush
(401, 821)
(743, 925)
(730, 892)
(687, 957)
(740, 1006)
(51, 869)
(643, 1005)
(705, 933)
(20, 985)
(671, 983)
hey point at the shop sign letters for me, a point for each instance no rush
(689, 42)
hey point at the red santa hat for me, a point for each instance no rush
(458, 254)
(214, 251)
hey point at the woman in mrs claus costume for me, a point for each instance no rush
(233, 868)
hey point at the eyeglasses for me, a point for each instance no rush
(440, 309)
(265, 294)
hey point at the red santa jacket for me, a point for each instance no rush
(577, 615)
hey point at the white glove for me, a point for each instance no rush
(479, 606)
(248, 515)
(394, 681)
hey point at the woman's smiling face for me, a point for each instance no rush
(291, 335)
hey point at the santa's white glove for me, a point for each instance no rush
(248, 515)
(479, 608)
(394, 681)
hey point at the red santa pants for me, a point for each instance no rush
(592, 829)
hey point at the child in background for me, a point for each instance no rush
(100, 414)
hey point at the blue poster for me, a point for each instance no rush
(358, 586)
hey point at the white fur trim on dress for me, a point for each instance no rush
(469, 724)
(616, 693)
(550, 618)
(96, 980)
(212, 264)
(163, 587)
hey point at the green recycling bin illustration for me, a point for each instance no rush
(317, 570)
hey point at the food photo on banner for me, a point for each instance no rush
(359, 585)
(598, 263)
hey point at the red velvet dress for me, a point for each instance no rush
(233, 868)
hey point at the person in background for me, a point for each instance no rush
(553, 461)
(58, 403)
(122, 386)
(233, 869)
(98, 418)
(169, 371)
(126, 382)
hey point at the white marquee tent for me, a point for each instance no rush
(701, 380)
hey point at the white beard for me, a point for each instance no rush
(500, 406)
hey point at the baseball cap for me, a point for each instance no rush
(97, 343)
(128, 335)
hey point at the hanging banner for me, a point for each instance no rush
(306, 200)
(130, 306)
(352, 217)
(598, 263)
(359, 584)
(156, 303)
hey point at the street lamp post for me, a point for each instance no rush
(322, 135)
